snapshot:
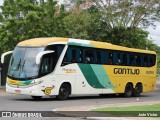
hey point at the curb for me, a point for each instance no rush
(63, 111)
(90, 107)
(121, 118)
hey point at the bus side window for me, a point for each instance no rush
(89, 54)
(73, 57)
(152, 60)
(118, 59)
(132, 58)
(105, 57)
(110, 61)
(77, 55)
(47, 65)
(98, 57)
(145, 61)
(68, 56)
(57, 50)
(124, 59)
(138, 60)
(81, 55)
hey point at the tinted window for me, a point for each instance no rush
(48, 64)
(49, 61)
(88, 55)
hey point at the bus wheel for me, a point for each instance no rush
(137, 90)
(128, 90)
(64, 92)
(36, 97)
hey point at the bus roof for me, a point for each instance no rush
(105, 45)
(78, 42)
(42, 41)
(120, 48)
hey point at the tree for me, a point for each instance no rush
(81, 25)
(129, 13)
(126, 13)
(114, 21)
(25, 19)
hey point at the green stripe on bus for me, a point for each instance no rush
(27, 82)
(95, 76)
(90, 75)
(80, 44)
(102, 76)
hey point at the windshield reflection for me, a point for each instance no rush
(22, 64)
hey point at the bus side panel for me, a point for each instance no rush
(87, 78)
(72, 74)
(149, 84)
(121, 75)
(64, 78)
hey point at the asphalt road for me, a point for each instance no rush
(9, 102)
(26, 103)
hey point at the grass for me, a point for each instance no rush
(155, 107)
(130, 111)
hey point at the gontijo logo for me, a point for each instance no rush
(126, 71)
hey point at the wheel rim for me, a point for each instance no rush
(128, 90)
(63, 92)
(137, 92)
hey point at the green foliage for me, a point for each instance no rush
(83, 19)
(136, 38)
(129, 13)
(78, 25)
(24, 19)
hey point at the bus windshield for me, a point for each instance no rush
(22, 64)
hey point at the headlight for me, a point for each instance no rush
(36, 82)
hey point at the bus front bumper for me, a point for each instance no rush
(32, 90)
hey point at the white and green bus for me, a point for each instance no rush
(63, 66)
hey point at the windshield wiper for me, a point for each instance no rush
(19, 64)
(22, 68)
(12, 61)
(17, 67)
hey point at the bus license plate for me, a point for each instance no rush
(18, 91)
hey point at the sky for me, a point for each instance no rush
(154, 33)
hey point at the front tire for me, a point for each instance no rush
(64, 92)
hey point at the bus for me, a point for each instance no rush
(65, 66)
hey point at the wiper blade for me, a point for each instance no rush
(22, 66)
(19, 64)
(17, 67)
(22, 72)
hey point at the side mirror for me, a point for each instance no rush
(4, 54)
(39, 56)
